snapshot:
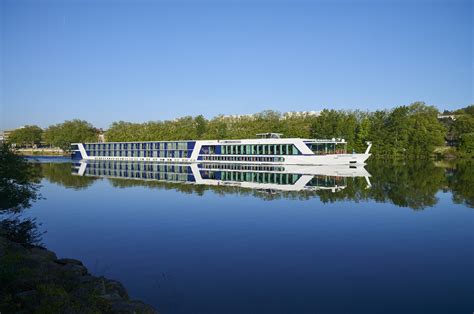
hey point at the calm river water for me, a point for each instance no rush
(390, 238)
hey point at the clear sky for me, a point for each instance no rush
(106, 61)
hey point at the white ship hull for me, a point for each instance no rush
(291, 151)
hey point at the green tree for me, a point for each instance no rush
(425, 132)
(73, 131)
(201, 126)
(466, 142)
(405, 131)
(463, 124)
(29, 135)
(18, 181)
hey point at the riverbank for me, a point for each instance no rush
(41, 152)
(35, 280)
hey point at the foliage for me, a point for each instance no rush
(461, 182)
(467, 110)
(466, 142)
(404, 131)
(18, 186)
(412, 130)
(458, 128)
(21, 230)
(60, 173)
(74, 131)
(413, 184)
(464, 124)
(29, 135)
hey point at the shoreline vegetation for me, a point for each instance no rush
(42, 152)
(413, 131)
(32, 278)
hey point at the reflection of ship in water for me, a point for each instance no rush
(268, 178)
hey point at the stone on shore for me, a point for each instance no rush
(35, 280)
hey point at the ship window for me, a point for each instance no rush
(294, 150)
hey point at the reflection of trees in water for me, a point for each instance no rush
(460, 177)
(414, 184)
(18, 190)
(411, 184)
(60, 173)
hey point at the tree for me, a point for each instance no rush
(466, 110)
(73, 131)
(201, 126)
(463, 124)
(404, 131)
(18, 181)
(466, 142)
(425, 131)
(29, 135)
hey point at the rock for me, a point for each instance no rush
(91, 283)
(40, 252)
(64, 261)
(40, 278)
(113, 286)
(123, 307)
(75, 269)
(141, 307)
(112, 297)
(28, 299)
(86, 279)
(26, 295)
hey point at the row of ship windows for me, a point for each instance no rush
(113, 165)
(256, 177)
(242, 167)
(260, 177)
(115, 146)
(138, 174)
(243, 158)
(139, 167)
(143, 153)
(267, 149)
(326, 181)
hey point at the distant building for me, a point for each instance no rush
(284, 115)
(447, 116)
(291, 114)
(236, 116)
(101, 138)
(6, 134)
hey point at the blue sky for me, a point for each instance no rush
(106, 61)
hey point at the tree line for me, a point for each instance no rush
(413, 130)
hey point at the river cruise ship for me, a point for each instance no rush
(269, 148)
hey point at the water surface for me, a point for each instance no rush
(403, 243)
